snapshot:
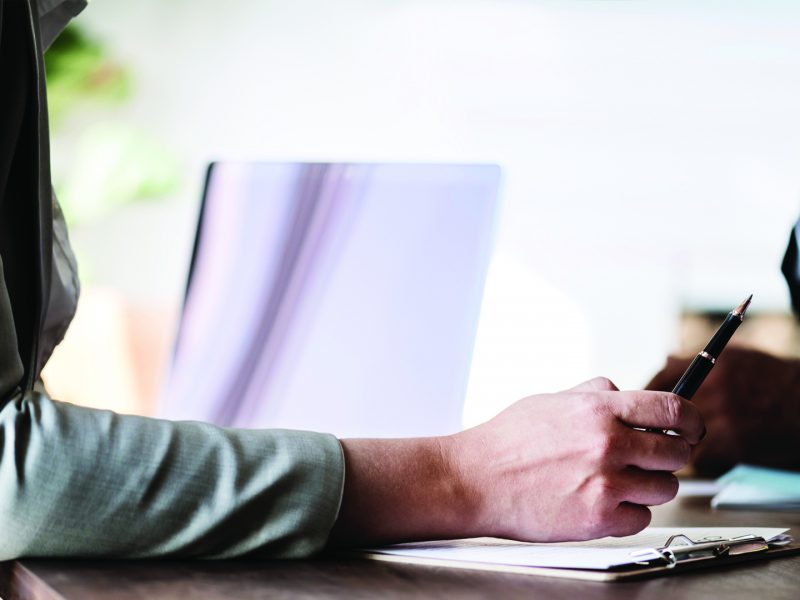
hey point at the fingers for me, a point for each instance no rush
(646, 487)
(658, 410)
(625, 498)
(655, 451)
(629, 518)
(618, 518)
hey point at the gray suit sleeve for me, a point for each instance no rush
(54, 15)
(82, 482)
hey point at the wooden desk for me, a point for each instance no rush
(336, 578)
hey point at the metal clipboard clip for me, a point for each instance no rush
(682, 549)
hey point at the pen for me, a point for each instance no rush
(702, 364)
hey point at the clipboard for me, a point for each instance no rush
(679, 554)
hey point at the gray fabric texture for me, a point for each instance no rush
(92, 483)
(54, 16)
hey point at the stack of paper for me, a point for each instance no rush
(602, 554)
(751, 487)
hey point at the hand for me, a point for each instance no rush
(751, 405)
(570, 466)
(565, 466)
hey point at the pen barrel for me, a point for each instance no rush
(694, 376)
(723, 335)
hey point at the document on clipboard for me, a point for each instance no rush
(654, 551)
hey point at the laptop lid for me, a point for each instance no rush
(334, 297)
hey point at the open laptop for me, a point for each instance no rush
(334, 297)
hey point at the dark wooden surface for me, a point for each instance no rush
(341, 578)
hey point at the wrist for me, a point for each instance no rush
(465, 492)
(406, 489)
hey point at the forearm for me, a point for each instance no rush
(83, 482)
(402, 489)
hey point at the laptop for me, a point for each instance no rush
(336, 297)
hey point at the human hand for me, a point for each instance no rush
(570, 466)
(751, 405)
(565, 466)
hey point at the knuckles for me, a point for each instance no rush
(610, 445)
(608, 491)
(673, 409)
(603, 384)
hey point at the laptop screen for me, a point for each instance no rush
(334, 297)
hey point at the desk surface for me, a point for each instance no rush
(326, 578)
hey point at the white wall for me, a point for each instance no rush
(652, 149)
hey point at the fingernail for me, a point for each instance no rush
(703, 435)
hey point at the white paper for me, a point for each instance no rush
(697, 487)
(604, 553)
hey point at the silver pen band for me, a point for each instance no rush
(705, 354)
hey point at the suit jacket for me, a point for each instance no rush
(82, 482)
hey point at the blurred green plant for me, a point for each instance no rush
(79, 70)
(109, 162)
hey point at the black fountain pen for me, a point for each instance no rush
(703, 363)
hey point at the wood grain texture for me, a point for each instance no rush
(343, 578)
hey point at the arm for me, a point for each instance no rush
(81, 482)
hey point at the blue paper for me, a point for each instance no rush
(747, 486)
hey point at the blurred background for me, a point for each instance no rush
(651, 153)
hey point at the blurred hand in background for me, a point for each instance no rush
(751, 406)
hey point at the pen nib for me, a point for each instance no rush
(742, 308)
